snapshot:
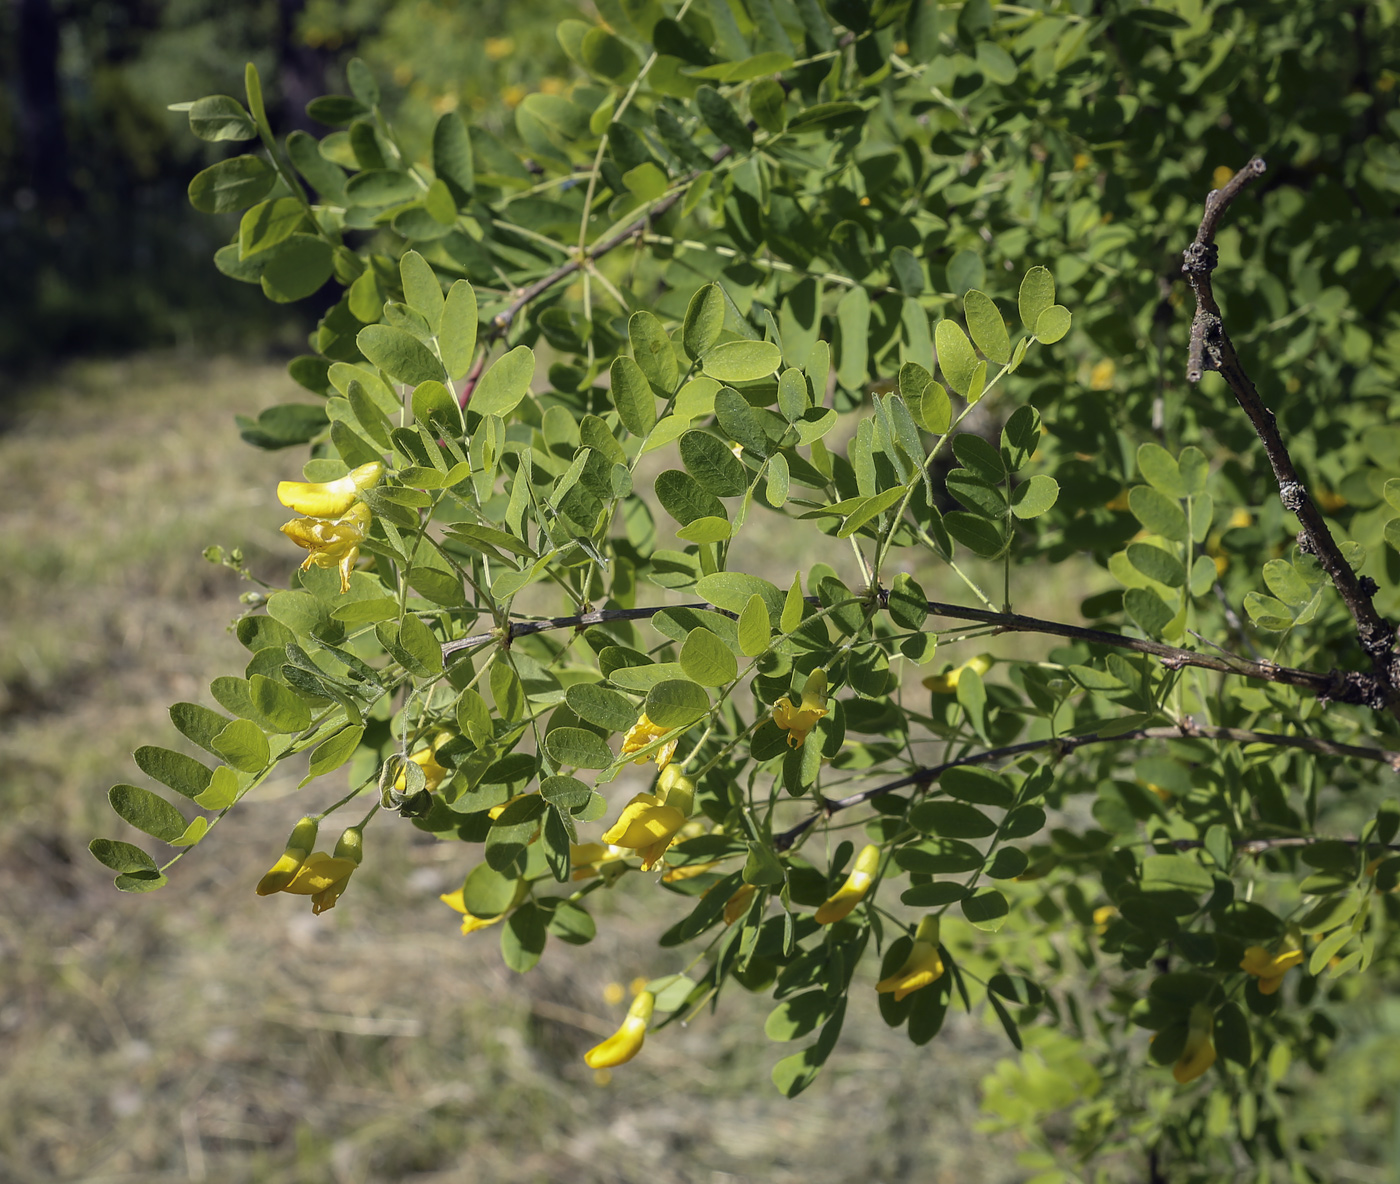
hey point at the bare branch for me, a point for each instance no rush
(1211, 348)
(1064, 745)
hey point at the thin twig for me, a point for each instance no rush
(1211, 348)
(1064, 745)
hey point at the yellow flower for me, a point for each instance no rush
(324, 877)
(947, 683)
(1221, 176)
(592, 859)
(853, 891)
(643, 733)
(1101, 376)
(738, 904)
(923, 966)
(332, 544)
(798, 721)
(1102, 916)
(329, 499)
(426, 759)
(626, 1042)
(1199, 1053)
(649, 822)
(499, 47)
(299, 845)
(1269, 968)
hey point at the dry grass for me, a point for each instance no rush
(203, 1034)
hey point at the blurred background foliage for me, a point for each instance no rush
(103, 252)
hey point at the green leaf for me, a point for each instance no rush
(742, 361)
(707, 660)
(975, 533)
(421, 290)
(1148, 611)
(711, 463)
(231, 185)
(435, 408)
(505, 384)
(986, 326)
(705, 530)
(331, 754)
(200, 725)
(1158, 513)
(601, 707)
(296, 268)
(908, 606)
(955, 356)
(400, 355)
(121, 857)
(218, 117)
(1161, 872)
(1053, 324)
(632, 396)
(682, 497)
(768, 105)
(987, 910)
(732, 590)
(869, 508)
(853, 323)
(776, 492)
(1157, 564)
(1285, 583)
(267, 224)
(279, 706)
(1035, 496)
(676, 702)
(1160, 470)
(223, 790)
(452, 157)
(721, 118)
(1037, 294)
(244, 746)
(951, 820)
(577, 747)
(382, 187)
(418, 641)
(651, 347)
(704, 318)
(147, 812)
(183, 774)
(487, 893)
(755, 633)
(608, 56)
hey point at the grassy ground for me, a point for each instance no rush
(204, 1034)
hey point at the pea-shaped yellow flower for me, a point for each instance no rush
(643, 733)
(332, 543)
(947, 683)
(853, 891)
(738, 904)
(299, 845)
(798, 721)
(626, 1042)
(1199, 1053)
(324, 877)
(1269, 968)
(329, 499)
(649, 821)
(923, 966)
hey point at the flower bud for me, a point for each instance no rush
(299, 845)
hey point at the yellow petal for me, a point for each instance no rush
(319, 872)
(626, 1042)
(853, 891)
(923, 966)
(282, 872)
